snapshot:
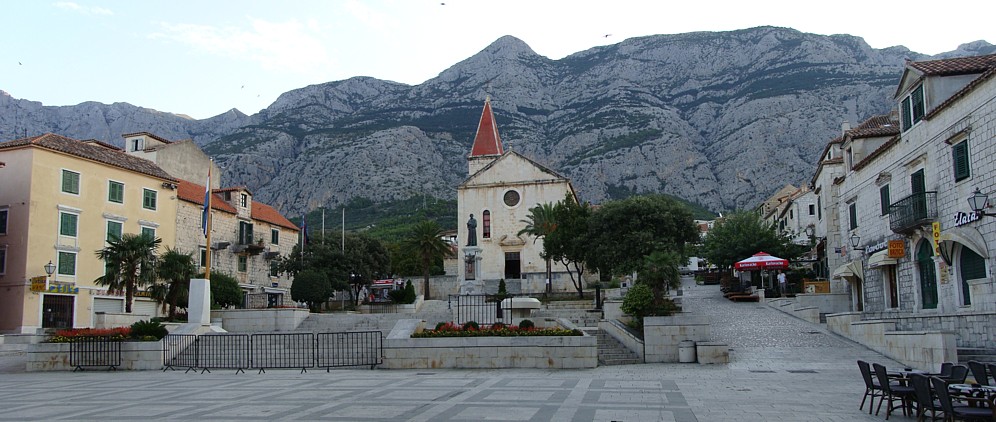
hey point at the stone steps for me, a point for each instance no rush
(612, 352)
(966, 354)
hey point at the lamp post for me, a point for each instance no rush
(979, 202)
(855, 241)
(49, 270)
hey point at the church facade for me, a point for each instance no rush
(492, 203)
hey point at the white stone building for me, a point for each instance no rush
(501, 188)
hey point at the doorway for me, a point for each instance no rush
(928, 275)
(513, 266)
(57, 311)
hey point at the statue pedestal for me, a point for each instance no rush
(472, 282)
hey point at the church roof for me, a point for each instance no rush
(487, 141)
(553, 175)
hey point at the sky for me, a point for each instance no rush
(203, 58)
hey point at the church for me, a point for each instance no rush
(492, 203)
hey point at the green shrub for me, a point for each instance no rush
(502, 289)
(471, 326)
(410, 295)
(145, 330)
(639, 301)
(526, 324)
(440, 325)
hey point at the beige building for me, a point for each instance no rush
(60, 199)
(501, 188)
(181, 159)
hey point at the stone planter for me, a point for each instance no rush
(135, 356)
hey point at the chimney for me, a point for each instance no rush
(844, 127)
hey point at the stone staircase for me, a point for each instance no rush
(431, 311)
(966, 354)
(612, 352)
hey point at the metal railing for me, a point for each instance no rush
(913, 211)
(94, 351)
(355, 348)
(273, 351)
(484, 309)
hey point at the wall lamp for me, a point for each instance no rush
(855, 241)
(979, 202)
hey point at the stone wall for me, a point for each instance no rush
(661, 335)
(924, 350)
(114, 320)
(616, 330)
(260, 320)
(135, 356)
(827, 303)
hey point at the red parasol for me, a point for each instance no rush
(761, 261)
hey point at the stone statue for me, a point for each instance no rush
(472, 231)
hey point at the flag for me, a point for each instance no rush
(304, 230)
(207, 204)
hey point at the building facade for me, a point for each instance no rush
(60, 200)
(501, 188)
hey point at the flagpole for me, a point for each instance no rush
(207, 260)
(343, 228)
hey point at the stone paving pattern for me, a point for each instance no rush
(782, 369)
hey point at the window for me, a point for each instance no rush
(853, 212)
(244, 200)
(149, 231)
(149, 199)
(114, 230)
(3, 221)
(819, 208)
(245, 233)
(275, 236)
(913, 108)
(486, 221)
(115, 191)
(67, 263)
(812, 209)
(959, 155)
(243, 263)
(973, 266)
(511, 198)
(68, 224)
(203, 255)
(3, 260)
(274, 271)
(137, 144)
(71, 182)
(883, 194)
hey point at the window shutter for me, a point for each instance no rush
(960, 158)
(919, 108)
(884, 194)
(854, 216)
(907, 118)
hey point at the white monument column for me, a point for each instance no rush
(199, 302)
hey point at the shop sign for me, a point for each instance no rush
(897, 249)
(63, 288)
(937, 237)
(880, 246)
(38, 283)
(963, 218)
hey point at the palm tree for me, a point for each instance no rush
(128, 262)
(175, 269)
(540, 222)
(426, 242)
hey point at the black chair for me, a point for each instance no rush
(958, 375)
(892, 392)
(952, 412)
(991, 368)
(872, 389)
(945, 369)
(978, 372)
(924, 398)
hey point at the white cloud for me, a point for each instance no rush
(285, 46)
(86, 10)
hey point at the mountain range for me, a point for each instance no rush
(721, 119)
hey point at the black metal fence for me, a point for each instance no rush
(94, 351)
(271, 351)
(483, 309)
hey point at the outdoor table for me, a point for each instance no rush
(974, 394)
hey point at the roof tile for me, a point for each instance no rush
(90, 151)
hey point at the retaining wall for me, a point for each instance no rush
(135, 356)
(260, 320)
(925, 349)
(614, 328)
(661, 335)
(114, 320)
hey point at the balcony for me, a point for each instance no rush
(911, 212)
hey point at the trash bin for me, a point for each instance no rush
(686, 351)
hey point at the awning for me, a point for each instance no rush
(850, 269)
(967, 236)
(273, 290)
(880, 258)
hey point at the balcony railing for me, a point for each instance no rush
(913, 211)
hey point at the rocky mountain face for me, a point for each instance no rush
(719, 118)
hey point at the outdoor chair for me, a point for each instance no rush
(872, 389)
(965, 413)
(892, 392)
(958, 375)
(945, 370)
(991, 368)
(924, 398)
(978, 372)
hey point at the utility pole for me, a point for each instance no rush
(323, 224)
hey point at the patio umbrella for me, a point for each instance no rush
(761, 261)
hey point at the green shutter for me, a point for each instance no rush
(973, 267)
(149, 199)
(68, 224)
(907, 118)
(3, 221)
(113, 230)
(919, 108)
(959, 155)
(275, 236)
(115, 192)
(70, 182)
(853, 211)
(67, 263)
(884, 195)
(149, 231)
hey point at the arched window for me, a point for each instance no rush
(928, 275)
(486, 217)
(972, 266)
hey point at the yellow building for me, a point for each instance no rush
(60, 199)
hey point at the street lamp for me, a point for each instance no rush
(855, 241)
(979, 202)
(810, 230)
(49, 270)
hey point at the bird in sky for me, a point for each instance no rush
(607, 35)
(19, 64)
(243, 87)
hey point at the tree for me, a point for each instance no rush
(426, 242)
(366, 260)
(129, 262)
(540, 223)
(323, 255)
(225, 290)
(569, 244)
(623, 232)
(175, 269)
(660, 272)
(742, 234)
(311, 287)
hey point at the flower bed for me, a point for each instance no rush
(470, 329)
(67, 336)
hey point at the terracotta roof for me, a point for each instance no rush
(487, 141)
(263, 212)
(955, 66)
(232, 189)
(884, 125)
(192, 192)
(962, 92)
(90, 151)
(102, 143)
(151, 135)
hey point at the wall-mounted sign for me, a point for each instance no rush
(880, 246)
(63, 288)
(963, 218)
(937, 237)
(897, 249)
(38, 284)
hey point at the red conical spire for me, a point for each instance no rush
(487, 141)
